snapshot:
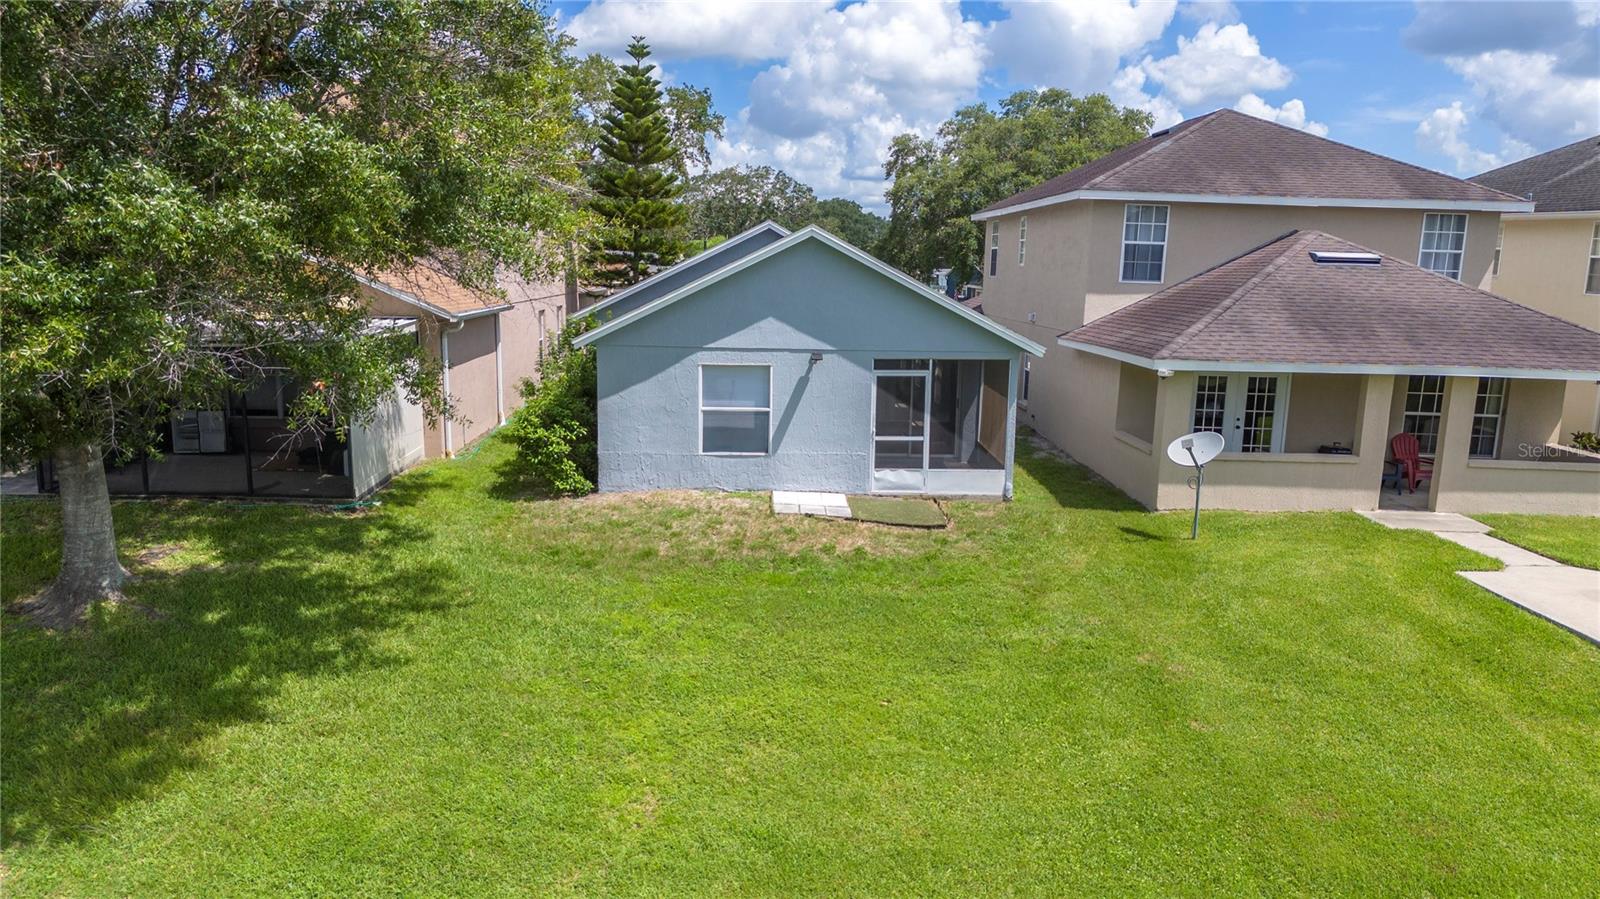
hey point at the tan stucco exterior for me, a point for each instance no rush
(1544, 263)
(490, 355)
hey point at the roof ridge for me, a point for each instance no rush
(1195, 124)
(1239, 292)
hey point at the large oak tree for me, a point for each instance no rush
(189, 185)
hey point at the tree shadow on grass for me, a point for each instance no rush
(104, 715)
(1070, 483)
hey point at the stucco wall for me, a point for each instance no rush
(1074, 256)
(1544, 263)
(519, 330)
(808, 299)
(387, 445)
(1509, 484)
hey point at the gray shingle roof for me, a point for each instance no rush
(1228, 153)
(1566, 179)
(1275, 305)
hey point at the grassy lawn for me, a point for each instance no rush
(1573, 539)
(463, 692)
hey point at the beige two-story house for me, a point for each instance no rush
(1550, 258)
(1307, 411)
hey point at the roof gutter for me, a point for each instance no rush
(1554, 216)
(1503, 206)
(1332, 368)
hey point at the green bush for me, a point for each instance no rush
(554, 431)
(1586, 440)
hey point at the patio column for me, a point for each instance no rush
(1455, 437)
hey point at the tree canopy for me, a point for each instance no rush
(981, 155)
(190, 186)
(846, 218)
(728, 201)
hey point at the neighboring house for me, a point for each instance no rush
(797, 361)
(1302, 354)
(1155, 214)
(242, 446)
(1550, 258)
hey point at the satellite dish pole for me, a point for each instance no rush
(1196, 449)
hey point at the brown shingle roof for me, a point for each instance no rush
(1276, 305)
(1566, 179)
(1228, 153)
(425, 284)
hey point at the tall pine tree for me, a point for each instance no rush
(635, 181)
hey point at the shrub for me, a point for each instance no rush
(554, 431)
(1586, 440)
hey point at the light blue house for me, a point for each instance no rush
(780, 361)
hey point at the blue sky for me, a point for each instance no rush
(818, 88)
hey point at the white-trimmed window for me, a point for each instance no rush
(1249, 411)
(1488, 413)
(1593, 284)
(1144, 243)
(994, 247)
(1027, 378)
(1444, 242)
(1499, 244)
(1424, 405)
(1022, 241)
(543, 335)
(735, 409)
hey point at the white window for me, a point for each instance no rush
(1022, 241)
(1593, 284)
(735, 409)
(1144, 243)
(1487, 413)
(1424, 403)
(1249, 411)
(994, 247)
(1499, 244)
(1444, 241)
(1027, 378)
(543, 334)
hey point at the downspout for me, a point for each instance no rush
(444, 357)
(499, 375)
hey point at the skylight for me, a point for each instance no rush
(1326, 257)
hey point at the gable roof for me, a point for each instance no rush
(426, 287)
(1275, 308)
(662, 282)
(1566, 179)
(1229, 157)
(811, 232)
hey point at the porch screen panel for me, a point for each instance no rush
(1210, 403)
(1488, 412)
(1424, 402)
(1260, 413)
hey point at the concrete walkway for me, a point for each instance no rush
(805, 502)
(1563, 594)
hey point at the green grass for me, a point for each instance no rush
(1573, 539)
(908, 512)
(467, 693)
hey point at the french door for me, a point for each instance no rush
(900, 431)
(1248, 410)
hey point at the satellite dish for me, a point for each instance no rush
(1206, 445)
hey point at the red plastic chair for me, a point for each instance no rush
(1408, 453)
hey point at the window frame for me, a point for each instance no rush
(1460, 255)
(1592, 276)
(1166, 234)
(994, 248)
(701, 408)
(1022, 241)
(1406, 414)
(1027, 380)
(1499, 417)
(544, 333)
(1499, 245)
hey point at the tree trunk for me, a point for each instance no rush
(90, 569)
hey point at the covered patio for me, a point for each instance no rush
(1293, 354)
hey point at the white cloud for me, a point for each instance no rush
(748, 32)
(1292, 113)
(1443, 132)
(1220, 11)
(1218, 63)
(1076, 46)
(1127, 89)
(1528, 96)
(854, 79)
